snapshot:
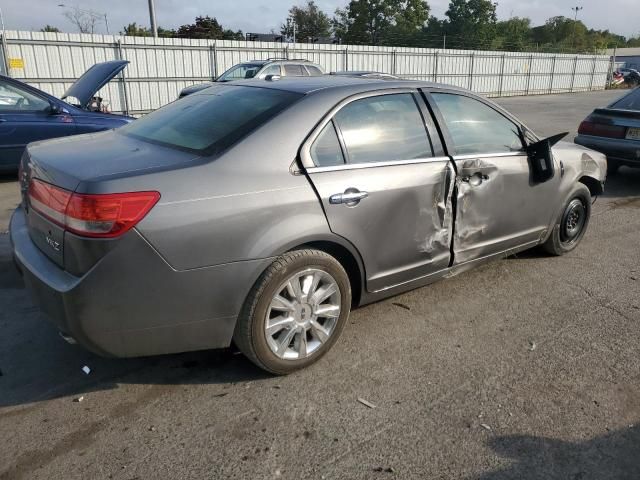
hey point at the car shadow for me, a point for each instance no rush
(624, 183)
(8, 177)
(611, 456)
(36, 364)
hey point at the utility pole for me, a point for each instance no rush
(291, 23)
(576, 9)
(152, 18)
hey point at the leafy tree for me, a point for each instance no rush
(208, 28)
(50, 28)
(310, 22)
(135, 30)
(367, 21)
(409, 23)
(471, 23)
(513, 34)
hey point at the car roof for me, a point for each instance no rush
(306, 85)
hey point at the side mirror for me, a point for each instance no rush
(54, 109)
(541, 158)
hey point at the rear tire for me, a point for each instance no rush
(572, 222)
(295, 311)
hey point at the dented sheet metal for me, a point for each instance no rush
(498, 206)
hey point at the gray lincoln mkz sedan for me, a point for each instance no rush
(262, 211)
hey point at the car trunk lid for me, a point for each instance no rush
(79, 164)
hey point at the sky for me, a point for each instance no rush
(260, 16)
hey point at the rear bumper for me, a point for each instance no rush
(132, 303)
(621, 150)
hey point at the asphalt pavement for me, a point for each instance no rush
(527, 368)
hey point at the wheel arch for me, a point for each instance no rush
(594, 185)
(348, 257)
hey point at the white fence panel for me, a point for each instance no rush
(160, 67)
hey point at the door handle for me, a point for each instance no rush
(350, 197)
(475, 179)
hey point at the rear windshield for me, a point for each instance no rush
(212, 120)
(630, 101)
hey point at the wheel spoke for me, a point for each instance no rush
(315, 281)
(277, 324)
(328, 310)
(281, 304)
(323, 293)
(302, 342)
(293, 287)
(286, 341)
(319, 331)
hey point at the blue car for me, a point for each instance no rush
(28, 114)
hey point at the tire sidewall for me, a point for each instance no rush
(559, 247)
(258, 316)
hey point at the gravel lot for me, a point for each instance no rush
(527, 368)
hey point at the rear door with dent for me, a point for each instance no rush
(378, 167)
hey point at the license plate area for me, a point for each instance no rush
(633, 134)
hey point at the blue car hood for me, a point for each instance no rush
(93, 80)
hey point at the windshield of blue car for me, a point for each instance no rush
(212, 120)
(630, 101)
(239, 72)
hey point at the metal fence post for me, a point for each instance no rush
(553, 71)
(573, 75)
(213, 58)
(394, 55)
(593, 73)
(473, 57)
(435, 66)
(346, 59)
(286, 52)
(501, 75)
(529, 75)
(5, 70)
(124, 80)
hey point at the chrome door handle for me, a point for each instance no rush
(349, 197)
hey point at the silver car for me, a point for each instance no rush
(261, 212)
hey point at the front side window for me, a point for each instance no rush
(212, 120)
(476, 128)
(293, 70)
(270, 70)
(14, 99)
(383, 128)
(326, 151)
(239, 72)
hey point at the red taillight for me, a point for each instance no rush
(601, 130)
(104, 215)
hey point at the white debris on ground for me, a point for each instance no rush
(366, 403)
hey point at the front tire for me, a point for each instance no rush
(572, 222)
(295, 312)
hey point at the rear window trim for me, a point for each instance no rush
(211, 151)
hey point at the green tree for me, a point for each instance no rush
(311, 22)
(408, 24)
(50, 28)
(135, 30)
(208, 28)
(513, 34)
(471, 23)
(367, 21)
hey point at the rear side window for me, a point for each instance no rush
(294, 70)
(476, 128)
(211, 120)
(383, 128)
(631, 101)
(271, 70)
(326, 151)
(313, 71)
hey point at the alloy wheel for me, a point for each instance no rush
(302, 314)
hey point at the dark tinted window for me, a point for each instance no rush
(313, 71)
(383, 128)
(326, 150)
(476, 127)
(212, 120)
(294, 70)
(630, 101)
